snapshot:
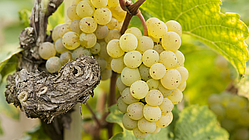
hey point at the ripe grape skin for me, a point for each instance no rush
(232, 110)
(154, 97)
(113, 3)
(180, 58)
(84, 9)
(88, 25)
(135, 110)
(133, 59)
(120, 85)
(128, 42)
(150, 57)
(118, 13)
(102, 16)
(75, 27)
(122, 106)
(135, 31)
(146, 126)
(128, 123)
(182, 86)
(174, 26)
(129, 76)
(166, 92)
(156, 28)
(168, 59)
(184, 73)
(157, 71)
(59, 46)
(229, 125)
(113, 49)
(112, 24)
(158, 48)
(53, 64)
(65, 57)
(106, 74)
(153, 84)
(172, 79)
(101, 61)
(176, 96)
(71, 40)
(144, 43)
(144, 72)
(80, 52)
(127, 97)
(101, 31)
(95, 49)
(55, 33)
(71, 13)
(171, 41)
(47, 50)
(137, 133)
(99, 3)
(151, 113)
(139, 89)
(112, 34)
(63, 28)
(157, 130)
(103, 52)
(166, 106)
(87, 40)
(165, 120)
(117, 64)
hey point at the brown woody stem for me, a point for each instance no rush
(141, 17)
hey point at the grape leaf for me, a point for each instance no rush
(198, 123)
(202, 19)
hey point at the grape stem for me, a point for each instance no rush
(141, 17)
(94, 115)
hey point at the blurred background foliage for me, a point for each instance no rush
(209, 72)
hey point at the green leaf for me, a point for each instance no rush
(198, 123)
(1, 130)
(24, 17)
(203, 20)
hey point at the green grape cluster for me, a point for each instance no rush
(92, 24)
(152, 75)
(232, 111)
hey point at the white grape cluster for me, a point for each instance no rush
(232, 111)
(152, 75)
(93, 23)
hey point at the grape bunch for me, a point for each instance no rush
(152, 75)
(232, 111)
(93, 23)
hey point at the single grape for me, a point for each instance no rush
(180, 58)
(128, 123)
(118, 13)
(101, 61)
(64, 28)
(122, 106)
(106, 74)
(184, 73)
(119, 26)
(144, 72)
(137, 133)
(176, 96)
(165, 120)
(166, 106)
(128, 42)
(80, 52)
(120, 85)
(113, 3)
(219, 110)
(182, 86)
(232, 110)
(144, 43)
(102, 16)
(157, 71)
(129, 76)
(127, 97)
(171, 41)
(156, 28)
(112, 24)
(84, 9)
(146, 126)
(154, 97)
(153, 84)
(117, 64)
(88, 25)
(133, 59)
(55, 33)
(135, 31)
(150, 57)
(214, 99)
(53, 64)
(151, 113)
(59, 46)
(229, 125)
(139, 89)
(65, 57)
(112, 34)
(244, 118)
(172, 79)
(113, 49)
(135, 110)
(47, 50)
(101, 31)
(157, 130)
(158, 48)
(70, 40)
(71, 12)
(75, 27)
(103, 52)
(95, 49)
(174, 26)
(99, 3)
(168, 59)
(87, 40)
(166, 92)
(109, 61)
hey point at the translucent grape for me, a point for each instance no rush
(113, 49)
(232, 110)
(150, 57)
(55, 33)
(71, 12)
(127, 97)
(158, 48)
(135, 110)
(70, 40)
(101, 31)
(171, 41)
(129, 76)
(118, 13)
(154, 97)
(146, 126)
(151, 113)
(120, 85)
(165, 120)
(128, 42)
(53, 64)
(113, 3)
(137, 133)
(128, 123)
(174, 26)
(102, 16)
(229, 125)
(117, 64)
(122, 106)
(95, 49)
(153, 84)
(145, 43)
(75, 27)
(176, 96)
(84, 9)
(102, 62)
(184, 73)
(112, 34)
(157, 130)
(88, 25)
(144, 72)
(87, 40)
(65, 57)
(47, 50)
(166, 92)
(106, 74)
(112, 24)
(244, 118)
(166, 106)
(168, 59)
(99, 3)
(180, 58)
(133, 59)
(135, 31)
(139, 89)
(157, 71)
(172, 79)
(109, 61)
(64, 28)
(182, 86)
(119, 26)
(156, 28)
(80, 52)
(219, 110)
(103, 52)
